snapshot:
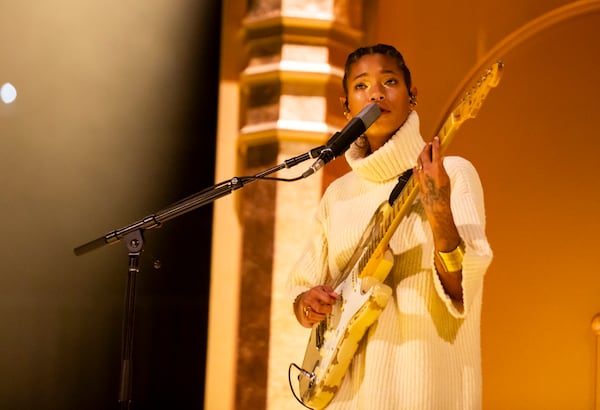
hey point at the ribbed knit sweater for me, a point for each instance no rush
(423, 353)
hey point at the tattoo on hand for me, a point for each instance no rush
(433, 194)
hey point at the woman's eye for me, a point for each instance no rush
(391, 81)
(360, 86)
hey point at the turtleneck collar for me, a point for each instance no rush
(398, 154)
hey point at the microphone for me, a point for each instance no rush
(341, 140)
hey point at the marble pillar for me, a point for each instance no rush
(289, 103)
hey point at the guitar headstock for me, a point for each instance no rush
(473, 99)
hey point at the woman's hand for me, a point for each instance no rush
(313, 305)
(434, 184)
(433, 180)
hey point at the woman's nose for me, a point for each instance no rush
(376, 94)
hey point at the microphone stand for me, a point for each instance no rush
(133, 236)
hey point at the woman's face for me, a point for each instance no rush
(377, 78)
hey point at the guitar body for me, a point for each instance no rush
(334, 341)
(362, 294)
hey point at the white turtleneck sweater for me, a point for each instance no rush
(423, 353)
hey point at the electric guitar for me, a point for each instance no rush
(362, 293)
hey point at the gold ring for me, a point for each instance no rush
(306, 310)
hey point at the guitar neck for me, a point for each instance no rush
(392, 215)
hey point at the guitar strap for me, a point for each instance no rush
(402, 180)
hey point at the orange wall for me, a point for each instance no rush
(534, 144)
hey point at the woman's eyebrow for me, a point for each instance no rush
(383, 71)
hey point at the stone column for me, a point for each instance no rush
(289, 103)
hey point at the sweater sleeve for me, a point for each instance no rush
(311, 267)
(469, 216)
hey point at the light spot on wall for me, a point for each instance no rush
(8, 93)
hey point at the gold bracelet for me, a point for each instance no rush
(452, 261)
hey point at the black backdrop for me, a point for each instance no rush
(108, 162)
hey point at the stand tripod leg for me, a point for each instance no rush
(134, 242)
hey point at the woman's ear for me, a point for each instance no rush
(345, 108)
(413, 95)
